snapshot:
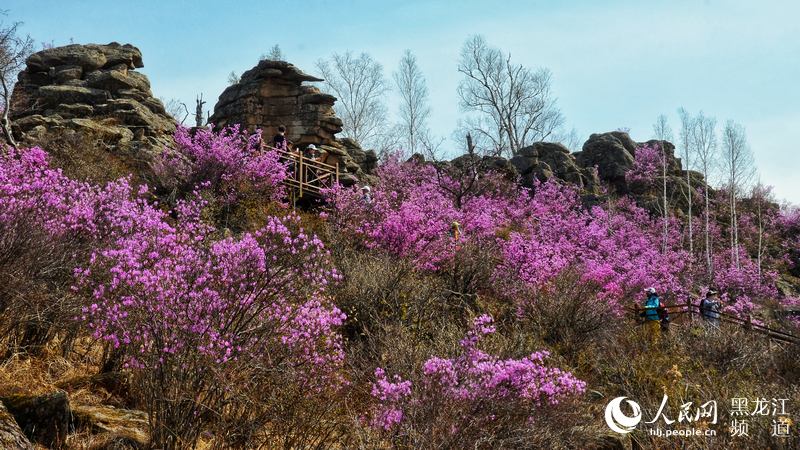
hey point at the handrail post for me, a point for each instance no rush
(636, 311)
(301, 176)
(749, 324)
(337, 172)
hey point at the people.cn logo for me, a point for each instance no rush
(617, 420)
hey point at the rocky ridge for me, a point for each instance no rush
(92, 90)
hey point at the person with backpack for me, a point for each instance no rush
(710, 307)
(652, 319)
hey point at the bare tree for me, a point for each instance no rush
(761, 195)
(739, 167)
(663, 132)
(687, 127)
(275, 54)
(233, 78)
(570, 139)
(414, 109)
(177, 109)
(14, 50)
(359, 85)
(513, 104)
(704, 140)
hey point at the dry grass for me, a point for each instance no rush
(43, 373)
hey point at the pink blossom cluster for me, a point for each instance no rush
(475, 378)
(229, 160)
(178, 292)
(617, 248)
(33, 193)
(647, 166)
(413, 210)
(391, 394)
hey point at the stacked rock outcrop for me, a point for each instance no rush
(91, 89)
(272, 94)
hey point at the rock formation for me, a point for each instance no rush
(91, 89)
(545, 160)
(273, 94)
(44, 419)
(11, 435)
(602, 163)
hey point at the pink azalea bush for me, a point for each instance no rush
(413, 209)
(229, 160)
(646, 169)
(180, 302)
(473, 382)
(616, 248)
(49, 224)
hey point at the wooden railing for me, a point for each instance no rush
(693, 311)
(307, 177)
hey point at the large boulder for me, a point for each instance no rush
(272, 94)
(11, 436)
(44, 419)
(544, 160)
(92, 89)
(613, 155)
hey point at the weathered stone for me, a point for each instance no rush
(108, 99)
(56, 95)
(117, 54)
(11, 436)
(88, 57)
(130, 424)
(613, 155)
(66, 73)
(67, 110)
(44, 419)
(114, 80)
(272, 94)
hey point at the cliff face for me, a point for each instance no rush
(92, 90)
(272, 94)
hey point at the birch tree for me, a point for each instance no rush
(359, 86)
(687, 129)
(663, 133)
(739, 168)
(704, 139)
(414, 102)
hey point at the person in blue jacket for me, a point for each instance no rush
(652, 319)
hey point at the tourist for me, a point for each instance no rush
(710, 307)
(279, 141)
(366, 194)
(651, 315)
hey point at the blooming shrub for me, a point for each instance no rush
(50, 224)
(413, 209)
(229, 160)
(615, 248)
(477, 387)
(647, 166)
(180, 303)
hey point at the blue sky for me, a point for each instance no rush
(615, 64)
